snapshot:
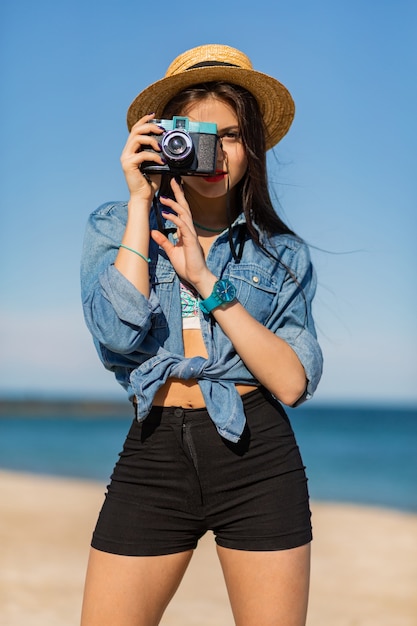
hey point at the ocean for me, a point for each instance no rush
(358, 454)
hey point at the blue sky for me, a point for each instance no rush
(345, 175)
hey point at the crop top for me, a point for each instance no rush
(190, 310)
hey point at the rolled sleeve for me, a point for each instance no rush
(129, 304)
(292, 319)
(308, 351)
(116, 313)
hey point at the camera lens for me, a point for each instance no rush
(177, 146)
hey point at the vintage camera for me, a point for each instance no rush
(189, 148)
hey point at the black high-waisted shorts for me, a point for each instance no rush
(177, 478)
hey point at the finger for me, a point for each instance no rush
(179, 193)
(185, 227)
(133, 164)
(143, 133)
(135, 158)
(176, 186)
(179, 213)
(172, 208)
(179, 209)
(146, 130)
(136, 142)
(180, 198)
(144, 127)
(143, 120)
(162, 241)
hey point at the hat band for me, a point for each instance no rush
(210, 64)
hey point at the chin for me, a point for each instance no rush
(208, 190)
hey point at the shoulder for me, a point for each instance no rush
(105, 226)
(292, 242)
(288, 249)
(110, 209)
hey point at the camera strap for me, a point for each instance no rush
(237, 250)
(159, 221)
(241, 235)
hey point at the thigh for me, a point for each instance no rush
(256, 493)
(130, 591)
(268, 588)
(153, 504)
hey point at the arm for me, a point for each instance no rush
(270, 359)
(115, 282)
(142, 190)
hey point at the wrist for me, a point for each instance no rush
(204, 285)
(138, 202)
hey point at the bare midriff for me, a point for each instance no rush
(187, 393)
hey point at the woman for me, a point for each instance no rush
(199, 299)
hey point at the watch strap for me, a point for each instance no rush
(210, 303)
(223, 292)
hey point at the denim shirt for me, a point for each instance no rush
(140, 339)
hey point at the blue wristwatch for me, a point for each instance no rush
(223, 292)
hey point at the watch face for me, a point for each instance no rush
(225, 290)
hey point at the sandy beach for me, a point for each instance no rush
(364, 561)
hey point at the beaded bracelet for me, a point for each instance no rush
(135, 252)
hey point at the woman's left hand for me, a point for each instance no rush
(186, 256)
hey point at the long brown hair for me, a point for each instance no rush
(252, 191)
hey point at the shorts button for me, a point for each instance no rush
(178, 412)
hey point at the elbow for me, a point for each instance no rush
(118, 338)
(292, 393)
(121, 343)
(292, 399)
(113, 333)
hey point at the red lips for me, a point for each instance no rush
(218, 176)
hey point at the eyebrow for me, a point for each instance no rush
(228, 128)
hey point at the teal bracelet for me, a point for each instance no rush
(135, 252)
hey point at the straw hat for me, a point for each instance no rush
(215, 62)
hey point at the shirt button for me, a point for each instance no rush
(255, 279)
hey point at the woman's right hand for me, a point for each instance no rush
(134, 155)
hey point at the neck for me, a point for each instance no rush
(209, 214)
(208, 229)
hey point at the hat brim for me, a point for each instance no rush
(274, 100)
